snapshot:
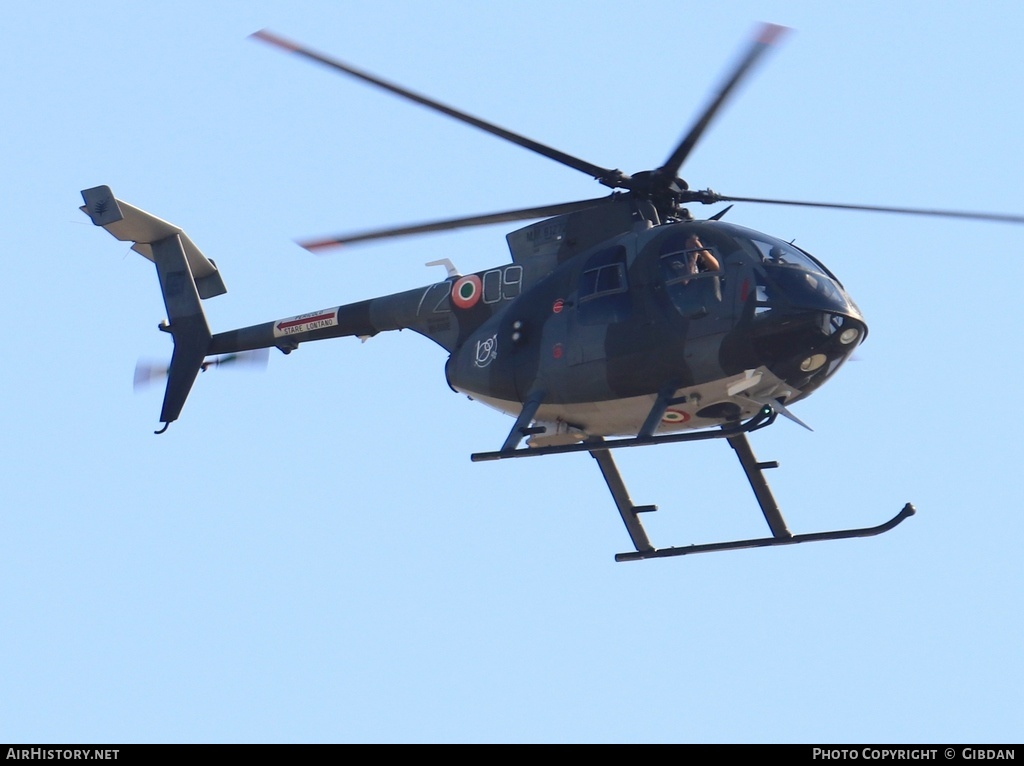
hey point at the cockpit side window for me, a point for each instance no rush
(692, 274)
(688, 264)
(603, 288)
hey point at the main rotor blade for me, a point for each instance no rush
(454, 223)
(964, 214)
(607, 176)
(767, 34)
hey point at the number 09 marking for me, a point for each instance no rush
(502, 284)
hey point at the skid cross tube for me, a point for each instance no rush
(765, 417)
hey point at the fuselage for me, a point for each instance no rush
(607, 331)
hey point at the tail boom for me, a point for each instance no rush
(287, 334)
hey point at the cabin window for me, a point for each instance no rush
(603, 288)
(602, 280)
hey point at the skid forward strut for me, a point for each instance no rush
(620, 494)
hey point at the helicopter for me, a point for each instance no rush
(621, 321)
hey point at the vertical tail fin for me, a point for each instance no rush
(187, 325)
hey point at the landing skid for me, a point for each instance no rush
(736, 435)
(767, 542)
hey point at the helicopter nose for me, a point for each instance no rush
(805, 348)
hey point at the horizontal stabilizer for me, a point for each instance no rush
(129, 224)
(186, 276)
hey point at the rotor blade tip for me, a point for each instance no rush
(770, 33)
(269, 37)
(318, 245)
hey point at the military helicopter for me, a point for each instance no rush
(621, 321)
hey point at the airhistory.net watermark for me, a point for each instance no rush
(47, 754)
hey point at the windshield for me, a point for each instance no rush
(796, 277)
(775, 252)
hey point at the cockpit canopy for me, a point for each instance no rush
(695, 259)
(796, 278)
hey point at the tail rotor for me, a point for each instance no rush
(148, 372)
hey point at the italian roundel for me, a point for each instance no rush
(466, 291)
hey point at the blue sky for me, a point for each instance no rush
(309, 555)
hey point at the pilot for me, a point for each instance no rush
(701, 260)
(777, 256)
